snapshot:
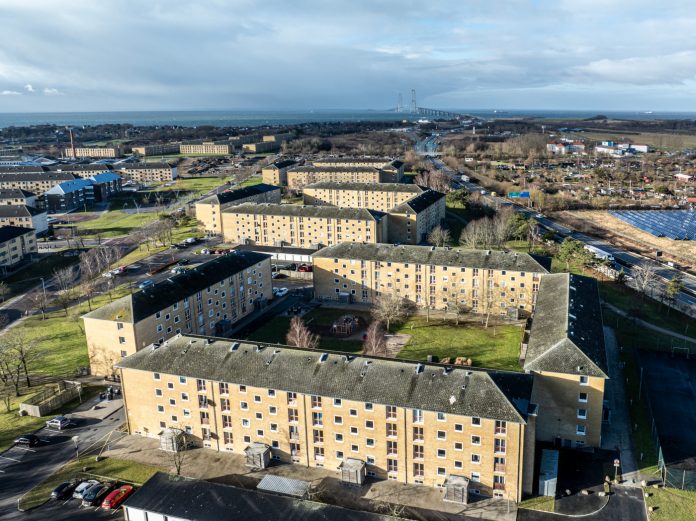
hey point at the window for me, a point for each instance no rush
(184, 397)
(202, 402)
(476, 440)
(441, 471)
(580, 430)
(245, 423)
(160, 408)
(459, 446)
(292, 398)
(391, 430)
(242, 388)
(172, 401)
(417, 416)
(274, 427)
(584, 380)
(369, 442)
(441, 453)
(353, 412)
(458, 427)
(200, 385)
(227, 438)
(224, 388)
(226, 421)
(158, 392)
(499, 447)
(392, 465)
(476, 477)
(475, 458)
(338, 420)
(292, 415)
(582, 414)
(259, 416)
(368, 406)
(582, 397)
(441, 416)
(339, 454)
(156, 376)
(271, 393)
(476, 422)
(187, 413)
(259, 433)
(316, 402)
(318, 436)
(273, 410)
(369, 424)
(500, 427)
(354, 431)
(337, 402)
(244, 406)
(257, 398)
(392, 448)
(339, 437)
(441, 435)
(122, 340)
(170, 385)
(458, 465)
(418, 434)
(418, 470)
(418, 452)
(317, 419)
(391, 412)
(182, 379)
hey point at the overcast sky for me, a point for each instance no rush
(102, 55)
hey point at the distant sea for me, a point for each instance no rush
(223, 118)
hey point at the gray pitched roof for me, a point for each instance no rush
(144, 303)
(337, 169)
(368, 187)
(567, 334)
(19, 211)
(419, 203)
(38, 176)
(453, 390)
(484, 259)
(301, 210)
(24, 169)
(181, 498)
(282, 163)
(141, 166)
(343, 160)
(242, 193)
(10, 232)
(15, 193)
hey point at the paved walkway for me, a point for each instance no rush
(617, 433)
(649, 325)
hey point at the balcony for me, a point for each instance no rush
(499, 467)
(295, 436)
(498, 486)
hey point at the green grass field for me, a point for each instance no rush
(197, 185)
(116, 223)
(253, 180)
(671, 504)
(109, 468)
(497, 347)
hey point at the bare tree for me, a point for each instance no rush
(390, 307)
(38, 300)
(434, 180)
(375, 343)
(478, 234)
(88, 287)
(65, 281)
(645, 278)
(21, 351)
(178, 455)
(439, 236)
(299, 335)
(6, 393)
(4, 290)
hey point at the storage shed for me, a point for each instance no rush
(457, 489)
(353, 471)
(172, 440)
(548, 472)
(257, 456)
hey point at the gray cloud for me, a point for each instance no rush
(176, 54)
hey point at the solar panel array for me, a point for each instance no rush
(679, 225)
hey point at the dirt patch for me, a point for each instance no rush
(603, 225)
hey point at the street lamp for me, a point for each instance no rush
(76, 440)
(43, 287)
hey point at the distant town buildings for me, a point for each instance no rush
(209, 210)
(206, 300)
(101, 152)
(207, 148)
(565, 146)
(615, 149)
(156, 150)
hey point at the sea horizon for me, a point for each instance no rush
(257, 118)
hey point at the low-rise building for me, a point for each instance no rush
(37, 182)
(104, 152)
(25, 217)
(302, 226)
(566, 354)
(209, 210)
(206, 300)
(16, 244)
(479, 281)
(17, 197)
(406, 421)
(207, 148)
(156, 150)
(276, 172)
(565, 146)
(615, 149)
(413, 210)
(147, 173)
(68, 196)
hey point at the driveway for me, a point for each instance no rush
(23, 468)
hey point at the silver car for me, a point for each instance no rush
(82, 488)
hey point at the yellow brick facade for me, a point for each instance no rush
(570, 408)
(106, 152)
(111, 338)
(302, 232)
(209, 211)
(298, 177)
(208, 149)
(13, 251)
(148, 173)
(436, 287)
(374, 198)
(402, 444)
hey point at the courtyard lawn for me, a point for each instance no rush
(497, 347)
(196, 185)
(671, 504)
(253, 180)
(116, 223)
(107, 468)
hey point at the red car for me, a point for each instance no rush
(117, 497)
(305, 268)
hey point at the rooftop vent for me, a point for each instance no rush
(365, 367)
(452, 399)
(572, 288)
(348, 358)
(447, 370)
(234, 346)
(323, 357)
(419, 368)
(259, 348)
(488, 252)
(570, 315)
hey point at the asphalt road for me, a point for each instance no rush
(23, 468)
(627, 259)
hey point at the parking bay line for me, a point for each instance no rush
(25, 449)
(11, 459)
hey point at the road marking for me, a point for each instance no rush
(11, 459)
(25, 449)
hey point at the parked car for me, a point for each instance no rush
(192, 240)
(116, 497)
(146, 284)
(82, 487)
(305, 268)
(59, 422)
(65, 489)
(31, 440)
(95, 494)
(176, 270)
(282, 292)
(182, 262)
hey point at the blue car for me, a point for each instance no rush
(145, 284)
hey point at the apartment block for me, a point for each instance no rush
(301, 226)
(103, 152)
(413, 210)
(206, 300)
(301, 176)
(392, 166)
(156, 150)
(566, 354)
(17, 197)
(24, 217)
(278, 138)
(104, 185)
(238, 141)
(147, 172)
(480, 281)
(277, 172)
(37, 182)
(80, 170)
(209, 210)
(16, 244)
(208, 148)
(68, 196)
(410, 422)
(261, 147)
